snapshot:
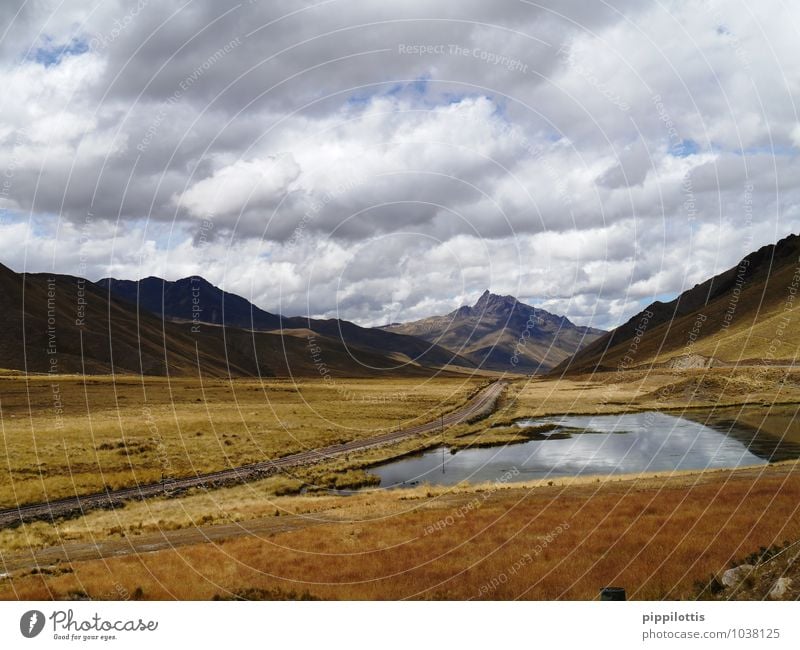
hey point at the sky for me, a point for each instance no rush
(387, 161)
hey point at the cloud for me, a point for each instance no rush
(242, 185)
(385, 161)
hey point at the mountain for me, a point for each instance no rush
(174, 300)
(65, 324)
(746, 314)
(501, 333)
(196, 300)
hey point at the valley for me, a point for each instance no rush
(586, 445)
(399, 301)
(442, 528)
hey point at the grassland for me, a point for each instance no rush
(657, 535)
(67, 435)
(660, 537)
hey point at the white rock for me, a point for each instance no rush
(688, 361)
(780, 588)
(733, 577)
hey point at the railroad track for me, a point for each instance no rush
(479, 405)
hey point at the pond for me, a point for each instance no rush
(581, 445)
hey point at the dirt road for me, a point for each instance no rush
(479, 405)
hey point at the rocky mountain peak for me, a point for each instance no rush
(491, 302)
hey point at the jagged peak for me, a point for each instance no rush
(490, 300)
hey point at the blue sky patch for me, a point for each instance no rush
(416, 87)
(50, 53)
(684, 148)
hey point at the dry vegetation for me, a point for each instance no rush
(122, 431)
(745, 316)
(661, 389)
(658, 537)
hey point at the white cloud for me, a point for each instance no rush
(240, 186)
(345, 177)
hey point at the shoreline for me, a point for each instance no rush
(597, 480)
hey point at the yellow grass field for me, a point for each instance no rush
(656, 535)
(68, 435)
(659, 537)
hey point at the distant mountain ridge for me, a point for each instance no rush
(745, 314)
(739, 315)
(174, 300)
(195, 300)
(501, 333)
(51, 323)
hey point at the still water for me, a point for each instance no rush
(599, 444)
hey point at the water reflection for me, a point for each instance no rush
(604, 444)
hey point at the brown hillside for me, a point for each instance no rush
(64, 324)
(748, 314)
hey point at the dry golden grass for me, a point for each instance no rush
(124, 431)
(753, 335)
(138, 429)
(138, 519)
(657, 537)
(663, 389)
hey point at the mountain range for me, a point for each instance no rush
(195, 300)
(501, 333)
(66, 324)
(497, 333)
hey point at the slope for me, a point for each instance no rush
(197, 300)
(504, 334)
(745, 314)
(64, 324)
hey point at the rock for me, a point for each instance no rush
(780, 588)
(733, 577)
(687, 361)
